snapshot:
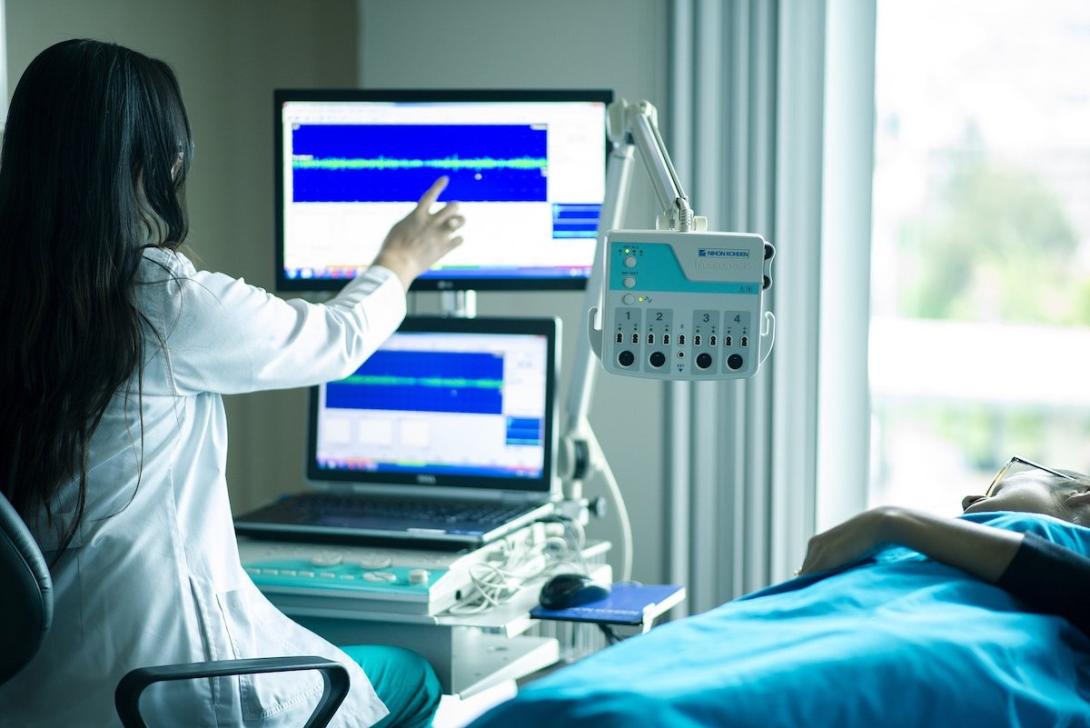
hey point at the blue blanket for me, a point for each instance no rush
(898, 641)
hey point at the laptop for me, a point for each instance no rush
(445, 435)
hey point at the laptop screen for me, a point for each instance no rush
(453, 402)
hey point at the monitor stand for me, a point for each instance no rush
(458, 304)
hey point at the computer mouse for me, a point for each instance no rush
(571, 590)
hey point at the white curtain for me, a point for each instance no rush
(748, 132)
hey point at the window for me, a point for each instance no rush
(980, 328)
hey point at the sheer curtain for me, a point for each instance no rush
(751, 122)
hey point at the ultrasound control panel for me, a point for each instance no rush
(684, 306)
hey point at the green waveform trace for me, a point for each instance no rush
(441, 382)
(478, 164)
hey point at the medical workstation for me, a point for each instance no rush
(539, 333)
(450, 442)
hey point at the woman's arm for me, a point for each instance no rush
(230, 337)
(1046, 577)
(227, 336)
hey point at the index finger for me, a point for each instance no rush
(432, 194)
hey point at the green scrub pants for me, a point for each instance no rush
(403, 680)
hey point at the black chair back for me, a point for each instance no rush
(26, 593)
(26, 612)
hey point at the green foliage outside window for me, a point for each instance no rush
(994, 244)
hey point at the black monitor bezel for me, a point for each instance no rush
(544, 484)
(280, 96)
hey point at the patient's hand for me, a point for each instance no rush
(850, 542)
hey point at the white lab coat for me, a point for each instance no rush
(153, 575)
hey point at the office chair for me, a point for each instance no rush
(26, 612)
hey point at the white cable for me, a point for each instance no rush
(578, 542)
(492, 586)
(622, 516)
(618, 502)
(495, 584)
(770, 331)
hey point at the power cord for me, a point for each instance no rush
(610, 635)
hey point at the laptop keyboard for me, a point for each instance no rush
(320, 507)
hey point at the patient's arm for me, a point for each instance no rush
(980, 550)
(983, 551)
(1047, 577)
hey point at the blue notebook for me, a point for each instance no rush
(626, 604)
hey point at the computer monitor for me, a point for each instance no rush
(527, 167)
(466, 403)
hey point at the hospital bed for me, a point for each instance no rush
(899, 641)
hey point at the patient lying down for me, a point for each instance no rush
(897, 618)
(1046, 577)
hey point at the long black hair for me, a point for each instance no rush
(95, 155)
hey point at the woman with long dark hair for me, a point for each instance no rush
(114, 354)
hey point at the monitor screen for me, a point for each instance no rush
(527, 168)
(449, 402)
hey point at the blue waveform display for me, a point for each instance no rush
(525, 430)
(423, 381)
(398, 162)
(575, 220)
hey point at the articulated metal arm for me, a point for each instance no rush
(637, 124)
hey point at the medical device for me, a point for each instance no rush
(345, 579)
(375, 579)
(678, 302)
(528, 169)
(641, 274)
(684, 305)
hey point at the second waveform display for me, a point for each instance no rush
(413, 381)
(398, 162)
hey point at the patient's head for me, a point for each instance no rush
(1032, 490)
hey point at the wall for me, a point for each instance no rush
(616, 44)
(229, 56)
